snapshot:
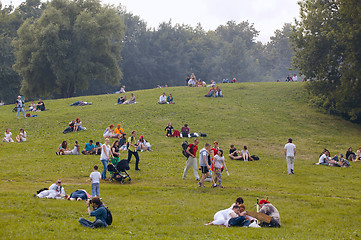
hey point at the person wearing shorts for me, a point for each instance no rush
(203, 163)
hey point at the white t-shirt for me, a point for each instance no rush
(8, 136)
(290, 149)
(95, 176)
(244, 152)
(294, 78)
(203, 157)
(162, 98)
(228, 216)
(323, 159)
(23, 136)
(218, 161)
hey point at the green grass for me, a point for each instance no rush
(316, 203)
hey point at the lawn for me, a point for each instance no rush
(317, 202)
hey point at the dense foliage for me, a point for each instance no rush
(68, 48)
(327, 50)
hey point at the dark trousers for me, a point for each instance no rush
(96, 224)
(238, 222)
(273, 223)
(130, 153)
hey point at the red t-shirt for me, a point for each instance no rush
(215, 151)
(193, 149)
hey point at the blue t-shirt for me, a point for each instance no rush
(100, 213)
(89, 147)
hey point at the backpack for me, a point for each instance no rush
(43, 189)
(184, 147)
(255, 157)
(109, 219)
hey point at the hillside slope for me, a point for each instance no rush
(315, 203)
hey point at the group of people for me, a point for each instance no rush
(338, 160)
(237, 216)
(123, 99)
(210, 159)
(183, 133)
(191, 81)
(214, 92)
(244, 154)
(19, 138)
(294, 78)
(163, 99)
(19, 106)
(74, 126)
(40, 106)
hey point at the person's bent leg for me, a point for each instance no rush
(98, 224)
(85, 222)
(237, 221)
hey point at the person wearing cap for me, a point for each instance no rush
(290, 153)
(55, 191)
(19, 107)
(118, 131)
(270, 210)
(143, 145)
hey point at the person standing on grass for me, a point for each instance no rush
(219, 162)
(192, 160)
(104, 157)
(19, 107)
(203, 163)
(290, 153)
(132, 149)
(95, 178)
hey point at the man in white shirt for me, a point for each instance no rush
(294, 78)
(290, 153)
(162, 99)
(55, 191)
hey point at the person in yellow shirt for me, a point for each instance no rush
(118, 131)
(132, 149)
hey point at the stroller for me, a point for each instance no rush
(117, 169)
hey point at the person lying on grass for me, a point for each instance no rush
(99, 212)
(79, 195)
(55, 191)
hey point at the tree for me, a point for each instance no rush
(327, 50)
(71, 43)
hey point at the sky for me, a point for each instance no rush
(266, 15)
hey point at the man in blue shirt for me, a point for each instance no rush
(89, 148)
(99, 212)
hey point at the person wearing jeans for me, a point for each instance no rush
(104, 157)
(192, 160)
(99, 212)
(132, 149)
(19, 107)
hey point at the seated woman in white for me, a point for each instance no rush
(144, 145)
(22, 136)
(109, 132)
(8, 136)
(75, 151)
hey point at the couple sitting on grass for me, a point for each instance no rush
(214, 92)
(351, 156)
(123, 100)
(237, 216)
(110, 132)
(244, 155)
(337, 161)
(163, 99)
(19, 138)
(74, 126)
(63, 149)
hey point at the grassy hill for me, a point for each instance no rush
(316, 203)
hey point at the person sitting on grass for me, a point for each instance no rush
(220, 217)
(121, 100)
(185, 131)
(109, 132)
(99, 212)
(118, 131)
(268, 209)
(22, 136)
(234, 154)
(169, 128)
(77, 125)
(245, 154)
(32, 106)
(8, 136)
(62, 150)
(325, 159)
(89, 148)
(218, 92)
(211, 92)
(235, 219)
(131, 100)
(350, 155)
(40, 106)
(98, 148)
(144, 145)
(170, 99)
(55, 191)
(123, 142)
(162, 99)
(341, 162)
(358, 154)
(218, 163)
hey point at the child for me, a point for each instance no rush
(95, 178)
(218, 162)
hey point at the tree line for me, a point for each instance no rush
(67, 48)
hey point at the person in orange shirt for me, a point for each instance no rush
(118, 131)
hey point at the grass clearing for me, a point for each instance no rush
(316, 203)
